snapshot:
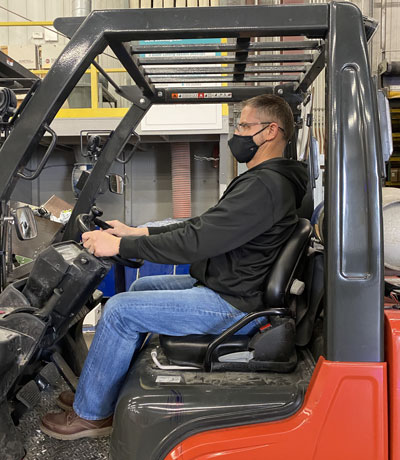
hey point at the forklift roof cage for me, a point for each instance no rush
(335, 38)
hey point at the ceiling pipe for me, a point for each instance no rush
(81, 7)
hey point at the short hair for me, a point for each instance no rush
(276, 109)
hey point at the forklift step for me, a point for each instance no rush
(29, 394)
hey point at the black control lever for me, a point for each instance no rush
(100, 223)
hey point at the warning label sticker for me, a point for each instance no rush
(201, 95)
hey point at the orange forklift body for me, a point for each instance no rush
(344, 416)
(392, 357)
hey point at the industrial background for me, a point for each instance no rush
(191, 146)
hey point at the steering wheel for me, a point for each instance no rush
(87, 223)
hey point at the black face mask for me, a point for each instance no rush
(243, 148)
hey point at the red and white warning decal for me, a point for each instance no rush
(201, 95)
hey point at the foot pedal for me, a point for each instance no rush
(65, 370)
(49, 375)
(29, 394)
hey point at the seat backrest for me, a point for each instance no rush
(285, 266)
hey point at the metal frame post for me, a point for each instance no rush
(354, 259)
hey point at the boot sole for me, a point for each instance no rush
(97, 433)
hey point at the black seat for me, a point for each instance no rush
(271, 348)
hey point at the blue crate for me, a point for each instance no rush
(107, 286)
(151, 269)
(131, 275)
(147, 269)
(182, 269)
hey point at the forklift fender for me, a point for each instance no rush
(344, 416)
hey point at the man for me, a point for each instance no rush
(231, 248)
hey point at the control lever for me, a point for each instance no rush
(96, 213)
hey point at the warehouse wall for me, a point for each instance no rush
(386, 12)
(150, 187)
(148, 183)
(385, 44)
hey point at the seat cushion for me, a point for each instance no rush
(190, 350)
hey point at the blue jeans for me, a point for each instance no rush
(164, 304)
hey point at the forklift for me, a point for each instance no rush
(321, 382)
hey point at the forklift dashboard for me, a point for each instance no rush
(69, 250)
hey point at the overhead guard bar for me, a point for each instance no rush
(225, 47)
(148, 70)
(261, 58)
(221, 79)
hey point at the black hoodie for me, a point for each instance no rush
(232, 246)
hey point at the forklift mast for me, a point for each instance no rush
(336, 37)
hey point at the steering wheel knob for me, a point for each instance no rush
(96, 212)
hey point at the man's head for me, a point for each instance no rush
(266, 125)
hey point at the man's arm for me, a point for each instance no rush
(243, 214)
(166, 228)
(120, 229)
(107, 243)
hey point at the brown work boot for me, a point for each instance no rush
(68, 426)
(65, 400)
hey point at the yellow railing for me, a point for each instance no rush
(26, 23)
(94, 111)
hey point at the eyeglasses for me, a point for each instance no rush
(242, 127)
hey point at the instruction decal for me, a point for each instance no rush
(201, 95)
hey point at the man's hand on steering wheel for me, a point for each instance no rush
(101, 243)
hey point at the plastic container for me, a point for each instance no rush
(391, 226)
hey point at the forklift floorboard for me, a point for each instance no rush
(40, 446)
